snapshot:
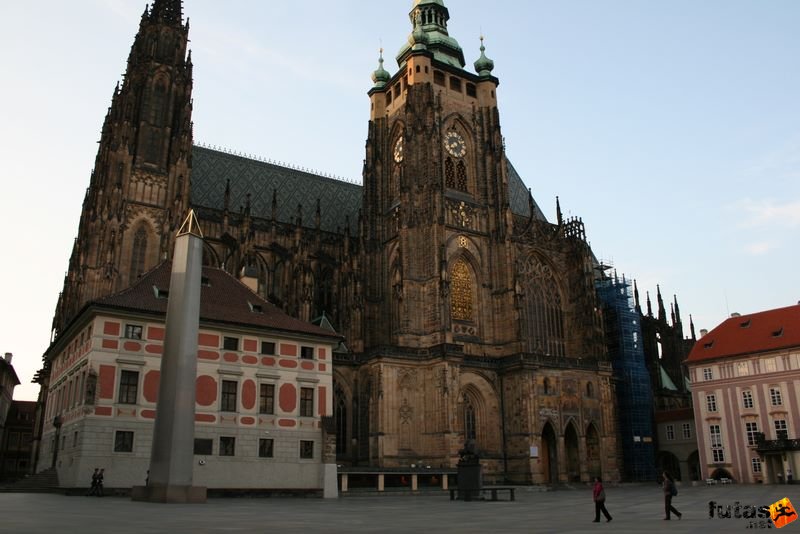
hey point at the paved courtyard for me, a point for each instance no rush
(635, 508)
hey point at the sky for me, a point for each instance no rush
(672, 128)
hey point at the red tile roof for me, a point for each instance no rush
(223, 299)
(748, 334)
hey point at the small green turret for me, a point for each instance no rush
(381, 75)
(484, 65)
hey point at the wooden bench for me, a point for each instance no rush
(493, 492)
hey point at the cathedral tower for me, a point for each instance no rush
(139, 187)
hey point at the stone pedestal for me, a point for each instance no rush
(470, 480)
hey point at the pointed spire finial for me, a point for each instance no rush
(559, 217)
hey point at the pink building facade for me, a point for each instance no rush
(745, 378)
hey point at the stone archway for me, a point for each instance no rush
(694, 466)
(549, 455)
(666, 461)
(573, 464)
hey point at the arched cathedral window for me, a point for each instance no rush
(469, 419)
(542, 317)
(139, 253)
(461, 292)
(461, 176)
(340, 415)
(449, 174)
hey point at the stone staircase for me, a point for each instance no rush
(43, 482)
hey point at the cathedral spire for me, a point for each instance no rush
(662, 312)
(636, 298)
(168, 11)
(429, 34)
(649, 305)
(691, 328)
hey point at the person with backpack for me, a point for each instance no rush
(599, 496)
(670, 491)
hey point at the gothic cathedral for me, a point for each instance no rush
(466, 314)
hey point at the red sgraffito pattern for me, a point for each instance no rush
(287, 398)
(150, 388)
(287, 422)
(288, 350)
(231, 357)
(323, 353)
(111, 344)
(289, 364)
(208, 340)
(132, 346)
(267, 361)
(323, 400)
(107, 374)
(251, 360)
(206, 392)
(155, 333)
(149, 414)
(205, 418)
(154, 349)
(250, 345)
(248, 395)
(207, 355)
(246, 420)
(124, 413)
(102, 410)
(308, 366)
(323, 367)
(111, 329)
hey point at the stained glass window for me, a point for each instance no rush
(139, 253)
(461, 292)
(461, 175)
(449, 174)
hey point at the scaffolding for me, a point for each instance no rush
(633, 388)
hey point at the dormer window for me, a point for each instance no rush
(778, 332)
(160, 293)
(745, 324)
(256, 308)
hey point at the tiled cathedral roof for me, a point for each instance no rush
(339, 200)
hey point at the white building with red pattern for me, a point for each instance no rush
(264, 385)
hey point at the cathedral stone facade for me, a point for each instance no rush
(466, 314)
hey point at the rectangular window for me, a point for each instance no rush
(230, 343)
(265, 447)
(203, 446)
(306, 353)
(756, 463)
(687, 431)
(670, 432)
(228, 400)
(707, 374)
(471, 90)
(266, 399)
(306, 449)
(781, 430)
(227, 446)
(133, 331)
(711, 403)
(267, 347)
(752, 433)
(438, 77)
(128, 386)
(775, 396)
(747, 399)
(716, 443)
(123, 441)
(75, 439)
(455, 84)
(306, 402)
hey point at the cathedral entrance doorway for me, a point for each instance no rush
(571, 449)
(549, 456)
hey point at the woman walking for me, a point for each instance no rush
(599, 496)
(669, 492)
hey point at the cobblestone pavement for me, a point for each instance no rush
(634, 508)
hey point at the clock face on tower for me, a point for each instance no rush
(398, 149)
(454, 144)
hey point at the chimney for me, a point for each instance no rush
(8, 357)
(736, 314)
(703, 332)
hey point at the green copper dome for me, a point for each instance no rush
(381, 75)
(484, 65)
(429, 19)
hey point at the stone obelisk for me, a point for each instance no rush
(172, 456)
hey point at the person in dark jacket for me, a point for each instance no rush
(669, 491)
(599, 496)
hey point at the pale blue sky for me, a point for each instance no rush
(671, 127)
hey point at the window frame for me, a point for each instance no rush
(264, 452)
(747, 400)
(306, 454)
(687, 430)
(775, 396)
(203, 441)
(751, 433)
(711, 402)
(128, 443)
(127, 389)
(669, 431)
(266, 403)
(708, 373)
(306, 352)
(306, 403)
(228, 397)
(134, 331)
(227, 446)
(262, 346)
(227, 341)
(755, 465)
